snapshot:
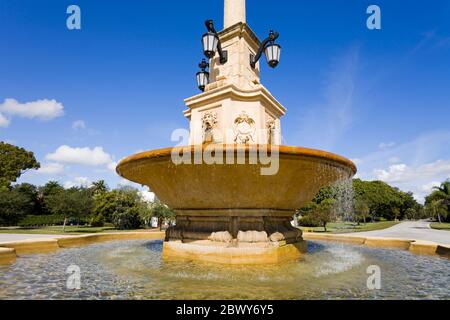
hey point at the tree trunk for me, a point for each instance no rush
(325, 226)
(64, 225)
(439, 218)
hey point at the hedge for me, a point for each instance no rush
(52, 220)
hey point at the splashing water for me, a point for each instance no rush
(345, 196)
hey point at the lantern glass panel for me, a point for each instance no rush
(210, 42)
(273, 53)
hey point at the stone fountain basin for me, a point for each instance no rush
(224, 188)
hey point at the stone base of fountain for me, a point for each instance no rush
(234, 253)
(198, 236)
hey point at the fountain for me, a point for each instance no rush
(235, 188)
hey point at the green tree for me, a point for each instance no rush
(31, 194)
(71, 203)
(162, 212)
(119, 207)
(362, 211)
(13, 207)
(49, 189)
(325, 212)
(412, 214)
(441, 193)
(14, 161)
(99, 187)
(383, 200)
(127, 219)
(437, 209)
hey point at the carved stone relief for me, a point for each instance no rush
(271, 131)
(244, 129)
(209, 123)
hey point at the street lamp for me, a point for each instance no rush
(211, 43)
(203, 75)
(271, 50)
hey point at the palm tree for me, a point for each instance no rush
(99, 187)
(437, 208)
(442, 194)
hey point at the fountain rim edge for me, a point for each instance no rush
(283, 150)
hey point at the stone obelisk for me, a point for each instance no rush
(235, 107)
(234, 13)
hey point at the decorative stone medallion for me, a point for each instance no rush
(244, 129)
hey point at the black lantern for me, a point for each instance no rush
(203, 75)
(270, 49)
(211, 43)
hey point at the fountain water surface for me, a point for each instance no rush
(136, 270)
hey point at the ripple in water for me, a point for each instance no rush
(135, 270)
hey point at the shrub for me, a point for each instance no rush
(48, 220)
(128, 219)
(13, 207)
(97, 221)
(41, 221)
(309, 220)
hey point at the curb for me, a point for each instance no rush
(10, 250)
(414, 246)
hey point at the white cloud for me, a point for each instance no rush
(78, 182)
(127, 183)
(418, 179)
(402, 173)
(427, 188)
(386, 145)
(51, 168)
(79, 125)
(112, 166)
(4, 121)
(40, 109)
(81, 156)
(143, 191)
(147, 195)
(394, 160)
(395, 173)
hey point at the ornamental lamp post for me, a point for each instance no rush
(203, 75)
(211, 43)
(270, 49)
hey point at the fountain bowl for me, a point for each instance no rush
(227, 209)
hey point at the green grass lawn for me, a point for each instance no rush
(441, 226)
(332, 228)
(348, 227)
(70, 230)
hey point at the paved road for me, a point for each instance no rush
(418, 230)
(10, 237)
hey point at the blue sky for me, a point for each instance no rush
(379, 97)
